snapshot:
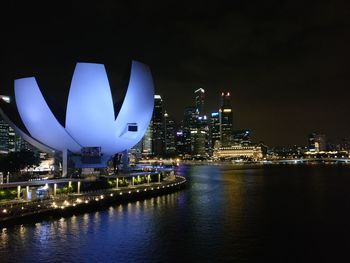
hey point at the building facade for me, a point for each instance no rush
(158, 127)
(170, 131)
(242, 137)
(235, 152)
(317, 142)
(199, 101)
(214, 130)
(226, 119)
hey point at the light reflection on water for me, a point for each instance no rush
(225, 214)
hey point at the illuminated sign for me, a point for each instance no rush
(227, 110)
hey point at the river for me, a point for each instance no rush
(283, 213)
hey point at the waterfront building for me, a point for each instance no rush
(286, 152)
(226, 119)
(317, 142)
(198, 143)
(344, 145)
(320, 143)
(238, 152)
(94, 128)
(311, 142)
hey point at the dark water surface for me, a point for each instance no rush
(226, 214)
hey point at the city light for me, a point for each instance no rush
(5, 98)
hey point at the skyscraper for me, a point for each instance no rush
(199, 101)
(158, 131)
(183, 141)
(201, 138)
(226, 119)
(170, 146)
(147, 140)
(136, 151)
(190, 124)
(9, 140)
(4, 136)
(191, 115)
(214, 129)
(242, 137)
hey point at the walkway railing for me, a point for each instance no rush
(63, 201)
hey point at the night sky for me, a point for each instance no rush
(286, 63)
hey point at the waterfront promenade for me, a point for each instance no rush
(62, 204)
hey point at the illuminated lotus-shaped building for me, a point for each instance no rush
(94, 123)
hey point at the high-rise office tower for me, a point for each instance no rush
(242, 137)
(195, 132)
(147, 140)
(136, 151)
(158, 131)
(190, 125)
(199, 101)
(201, 137)
(9, 140)
(4, 136)
(183, 142)
(226, 119)
(191, 115)
(170, 144)
(214, 130)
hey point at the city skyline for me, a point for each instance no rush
(175, 131)
(284, 62)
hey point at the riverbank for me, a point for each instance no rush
(269, 162)
(66, 205)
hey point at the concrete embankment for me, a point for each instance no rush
(90, 201)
